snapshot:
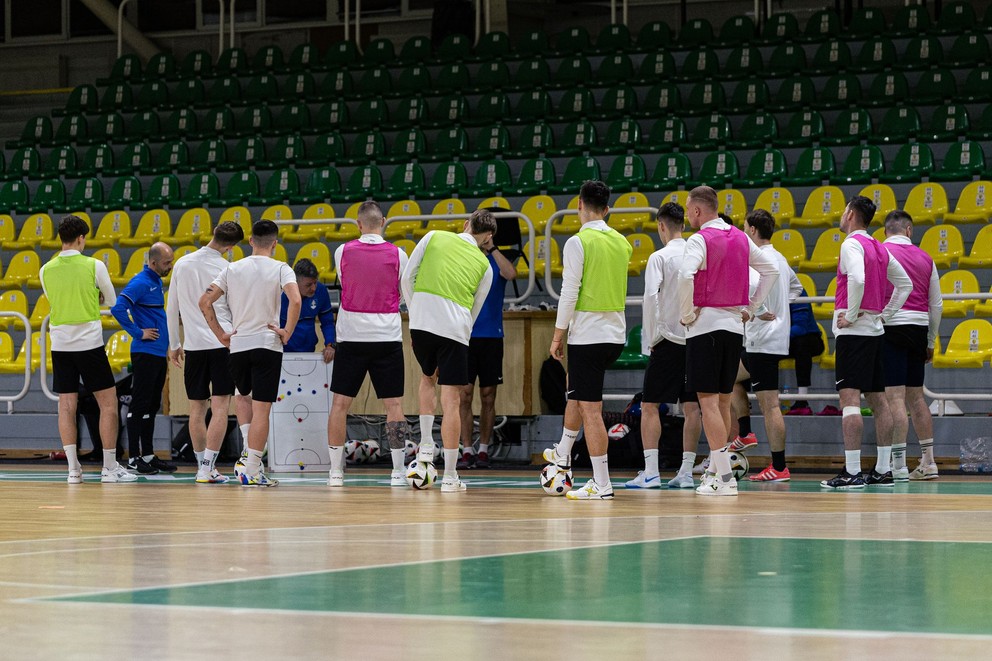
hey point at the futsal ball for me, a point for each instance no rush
(409, 451)
(372, 450)
(355, 452)
(555, 481)
(618, 431)
(738, 465)
(421, 475)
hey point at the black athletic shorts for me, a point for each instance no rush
(859, 363)
(207, 373)
(904, 355)
(485, 361)
(810, 345)
(664, 379)
(382, 361)
(587, 365)
(442, 355)
(257, 372)
(90, 365)
(711, 362)
(763, 368)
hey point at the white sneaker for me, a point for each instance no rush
(117, 474)
(900, 474)
(425, 452)
(213, 476)
(681, 481)
(452, 485)
(75, 476)
(924, 472)
(715, 487)
(592, 491)
(701, 467)
(644, 481)
(552, 457)
(397, 479)
(335, 478)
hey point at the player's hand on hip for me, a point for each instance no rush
(225, 339)
(149, 334)
(281, 332)
(767, 316)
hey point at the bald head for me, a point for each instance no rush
(160, 258)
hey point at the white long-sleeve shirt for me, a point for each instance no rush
(660, 303)
(935, 303)
(369, 326)
(713, 319)
(190, 278)
(772, 337)
(585, 327)
(852, 264)
(88, 335)
(436, 314)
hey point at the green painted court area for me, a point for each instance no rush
(889, 586)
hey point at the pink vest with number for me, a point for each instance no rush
(370, 274)
(724, 281)
(876, 264)
(919, 266)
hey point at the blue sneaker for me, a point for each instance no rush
(644, 481)
(257, 480)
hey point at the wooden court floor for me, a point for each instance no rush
(172, 570)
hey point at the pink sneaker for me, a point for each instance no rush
(830, 410)
(742, 443)
(771, 475)
(802, 410)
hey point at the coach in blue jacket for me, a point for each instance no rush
(316, 307)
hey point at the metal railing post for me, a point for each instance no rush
(231, 31)
(120, 27)
(220, 35)
(10, 399)
(43, 369)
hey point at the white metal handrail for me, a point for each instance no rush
(43, 369)
(10, 399)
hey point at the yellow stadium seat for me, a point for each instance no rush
(403, 228)
(808, 285)
(791, 244)
(114, 226)
(55, 243)
(569, 223)
(879, 234)
(926, 203)
(538, 208)
(779, 203)
(407, 245)
(731, 202)
(234, 254)
(111, 259)
(679, 197)
(958, 282)
(984, 308)
(944, 244)
(643, 246)
(22, 271)
(119, 350)
(346, 231)
(279, 212)
(13, 301)
(16, 365)
(7, 355)
(884, 198)
(305, 233)
(37, 228)
(320, 255)
(629, 222)
(153, 226)
(970, 345)
(444, 207)
(826, 310)
(41, 310)
(7, 229)
(974, 205)
(981, 250)
(181, 252)
(828, 359)
(826, 252)
(193, 226)
(824, 207)
(133, 268)
(497, 201)
(543, 256)
(239, 215)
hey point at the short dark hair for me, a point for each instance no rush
(304, 268)
(264, 232)
(704, 196)
(672, 213)
(595, 194)
(762, 221)
(897, 222)
(482, 221)
(72, 227)
(229, 234)
(368, 210)
(864, 208)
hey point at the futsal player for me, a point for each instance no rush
(445, 285)
(714, 304)
(370, 339)
(663, 340)
(591, 310)
(860, 308)
(908, 346)
(253, 287)
(76, 286)
(207, 375)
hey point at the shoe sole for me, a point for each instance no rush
(923, 479)
(456, 490)
(716, 494)
(649, 486)
(681, 486)
(212, 481)
(882, 484)
(74, 480)
(610, 497)
(103, 481)
(777, 479)
(857, 486)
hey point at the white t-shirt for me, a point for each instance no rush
(254, 288)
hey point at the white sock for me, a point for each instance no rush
(600, 470)
(720, 464)
(148, 457)
(926, 445)
(884, 463)
(399, 458)
(568, 438)
(254, 462)
(650, 462)
(852, 461)
(450, 460)
(72, 456)
(199, 457)
(209, 459)
(337, 457)
(803, 390)
(898, 456)
(483, 447)
(244, 437)
(688, 461)
(426, 428)
(110, 459)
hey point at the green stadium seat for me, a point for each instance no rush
(280, 186)
(962, 162)
(407, 145)
(631, 357)
(969, 50)
(86, 194)
(304, 57)
(626, 173)
(536, 175)
(208, 154)
(98, 159)
(404, 182)
(341, 54)
(25, 162)
(832, 56)
(377, 83)
(200, 190)
(866, 22)
(172, 156)
(492, 178)
(658, 65)
(666, 134)
(49, 196)
(327, 148)
(661, 100)
(764, 170)
(145, 125)
(618, 101)
(106, 128)
(912, 163)
(414, 79)
(814, 166)
(410, 112)
(654, 36)
(288, 150)
(163, 191)
(298, 86)
(248, 151)
(794, 93)
(616, 68)
(240, 188)
(448, 143)
(531, 73)
(981, 129)
(72, 128)
(450, 109)
(379, 51)
(861, 166)
(268, 59)
(196, 64)
(490, 108)
(743, 61)
(493, 46)
(36, 131)
(365, 148)
(575, 103)
(899, 124)
(370, 113)
(705, 97)
(60, 162)
(232, 62)
(454, 48)
(160, 67)
(448, 178)
(578, 137)
(577, 170)
(452, 78)
(700, 64)
(710, 132)
(780, 28)
(135, 158)
(910, 20)
(331, 115)
(573, 40)
(363, 183)
(822, 25)
(956, 17)
(851, 127)
(804, 127)
(124, 193)
(718, 169)
(787, 58)
(757, 130)
(876, 54)
(187, 94)
(612, 38)
(622, 135)
(841, 90)
(695, 33)
(534, 140)
(262, 88)
(922, 52)
(322, 184)
(673, 171)
(415, 50)
(948, 121)
(935, 86)
(334, 85)
(292, 118)
(225, 91)
(490, 141)
(117, 96)
(571, 71)
(82, 99)
(749, 94)
(491, 76)
(533, 43)
(737, 31)
(977, 85)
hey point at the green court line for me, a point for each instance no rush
(890, 586)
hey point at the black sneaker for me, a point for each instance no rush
(141, 466)
(466, 462)
(482, 461)
(876, 479)
(845, 480)
(162, 466)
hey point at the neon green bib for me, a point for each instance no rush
(72, 291)
(606, 256)
(451, 268)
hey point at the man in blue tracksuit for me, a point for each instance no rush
(140, 310)
(316, 307)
